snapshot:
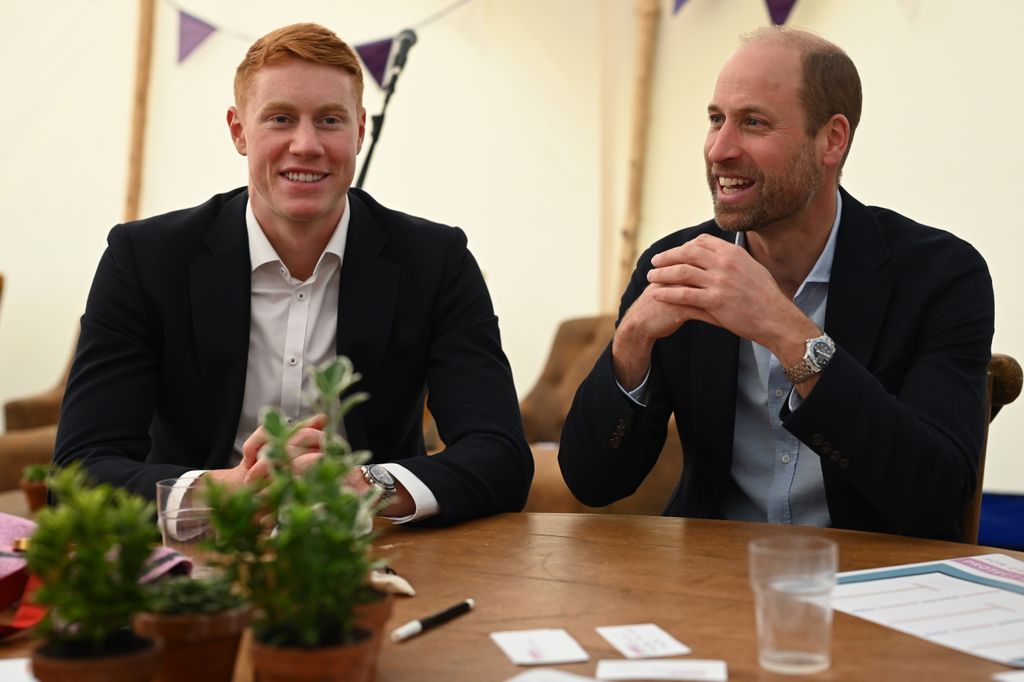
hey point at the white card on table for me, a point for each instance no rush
(1010, 676)
(663, 669)
(16, 670)
(642, 641)
(549, 675)
(534, 647)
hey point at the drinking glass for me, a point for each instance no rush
(792, 577)
(184, 516)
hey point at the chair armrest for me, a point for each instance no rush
(18, 449)
(42, 409)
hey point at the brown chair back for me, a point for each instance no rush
(1004, 384)
(576, 347)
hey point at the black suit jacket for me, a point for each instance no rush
(157, 382)
(897, 417)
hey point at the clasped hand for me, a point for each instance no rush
(714, 281)
(304, 448)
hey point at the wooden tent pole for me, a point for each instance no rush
(140, 104)
(647, 14)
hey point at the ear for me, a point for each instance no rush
(835, 140)
(235, 126)
(362, 129)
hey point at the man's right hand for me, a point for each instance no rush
(646, 321)
(305, 442)
(302, 447)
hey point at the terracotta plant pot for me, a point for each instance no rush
(198, 647)
(35, 494)
(138, 666)
(373, 616)
(347, 663)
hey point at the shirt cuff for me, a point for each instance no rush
(639, 394)
(795, 399)
(168, 516)
(424, 501)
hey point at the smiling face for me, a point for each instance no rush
(301, 127)
(762, 166)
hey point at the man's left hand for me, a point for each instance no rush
(726, 287)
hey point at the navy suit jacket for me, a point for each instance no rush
(897, 417)
(158, 378)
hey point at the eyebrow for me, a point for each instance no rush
(283, 105)
(743, 110)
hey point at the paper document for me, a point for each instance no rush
(974, 604)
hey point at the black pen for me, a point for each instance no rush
(415, 627)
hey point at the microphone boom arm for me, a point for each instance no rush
(406, 39)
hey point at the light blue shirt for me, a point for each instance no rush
(775, 477)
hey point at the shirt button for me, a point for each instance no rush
(293, 361)
(302, 296)
(779, 393)
(785, 459)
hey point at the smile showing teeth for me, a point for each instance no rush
(733, 182)
(304, 177)
(733, 185)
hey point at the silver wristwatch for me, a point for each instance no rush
(381, 479)
(818, 354)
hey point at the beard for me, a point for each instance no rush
(779, 196)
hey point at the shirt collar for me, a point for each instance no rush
(822, 270)
(261, 251)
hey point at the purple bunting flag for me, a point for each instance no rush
(780, 9)
(191, 33)
(677, 5)
(375, 58)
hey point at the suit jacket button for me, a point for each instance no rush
(844, 463)
(817, 439)
(834, 457)
(615, 442)
(826, 448)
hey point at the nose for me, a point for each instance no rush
(305, 140)
(722, 143)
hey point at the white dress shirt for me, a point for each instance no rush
(293, 327)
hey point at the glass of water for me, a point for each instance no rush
(184, 516)
(792, 577)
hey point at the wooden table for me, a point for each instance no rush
(579, 571)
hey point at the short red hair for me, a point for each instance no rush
(309, 42)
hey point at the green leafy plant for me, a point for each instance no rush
(35, 473)
(298, 545)
(90, 551)
(181, 594)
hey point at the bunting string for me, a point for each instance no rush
(194, 30)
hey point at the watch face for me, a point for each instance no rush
(822, 351)
(382, 476)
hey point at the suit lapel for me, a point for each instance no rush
(858, 295)
(715, 367)
(220, 293)
(366, 303)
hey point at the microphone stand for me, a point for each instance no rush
(377, 121)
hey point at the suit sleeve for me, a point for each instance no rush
(113, 384)
(486, 466)
(910, 446)
(609, 443)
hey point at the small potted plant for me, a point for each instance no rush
(89, 551)
(305, 577)
(33, 483)
(199, 621)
